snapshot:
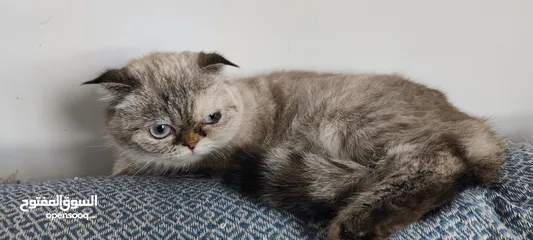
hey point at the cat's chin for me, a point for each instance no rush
(181, 161)
(184, 159)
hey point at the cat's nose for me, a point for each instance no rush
(191, 139)
(191, 145)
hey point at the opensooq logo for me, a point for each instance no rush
(63, 202)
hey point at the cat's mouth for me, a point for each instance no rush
(197, 151)
(202, 148)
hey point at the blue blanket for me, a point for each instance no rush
(196, 208)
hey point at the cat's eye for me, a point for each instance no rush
(160, 131)
(213, 118)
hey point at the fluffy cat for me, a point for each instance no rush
(369, 153)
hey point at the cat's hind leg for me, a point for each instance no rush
(406, 184)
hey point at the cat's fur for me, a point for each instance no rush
(370, 153)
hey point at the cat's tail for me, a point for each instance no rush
(484, 152)
(281, 177)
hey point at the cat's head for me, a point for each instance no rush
(171, 108)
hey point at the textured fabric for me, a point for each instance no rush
(196, 208)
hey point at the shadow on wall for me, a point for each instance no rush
(69, 114)
(94, 157)
(59, 163)
(83, 152)
(85, 111)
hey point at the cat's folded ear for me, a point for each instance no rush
(115, 81)
(213, 62)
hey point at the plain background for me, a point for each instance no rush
(478, 52)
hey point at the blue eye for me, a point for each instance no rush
(212, 118)
(160, 131)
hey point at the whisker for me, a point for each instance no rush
(98, 146)
(146, 165)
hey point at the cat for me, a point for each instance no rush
(368, 153)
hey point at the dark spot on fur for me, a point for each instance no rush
(402, 125)
(290, 187)
(165, 98)
(453, 144)
(466, 179)
(110, 113)
(295, 157)
(245, 171)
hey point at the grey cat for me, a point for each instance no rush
(368, 153)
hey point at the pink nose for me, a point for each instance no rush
(191, 145)
(190, 139)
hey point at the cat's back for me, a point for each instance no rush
(355, 90)
(370, 111)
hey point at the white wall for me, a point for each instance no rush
(479, 52)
